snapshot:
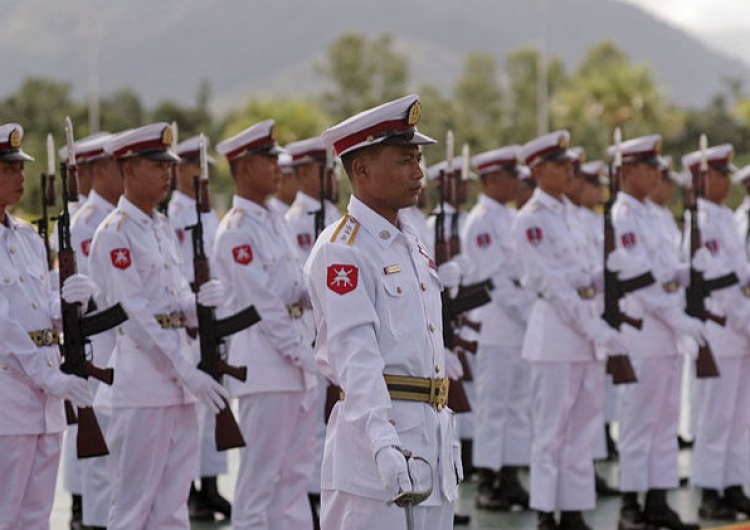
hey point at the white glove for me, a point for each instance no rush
(463, 262)
(608, 340)
(306, 361)
(211, 294)
(449, 274)
(71, 387)
(682, 323)
(597, 280)
(703, 261)
(393, 471)
(206, 389)
(54, 281)
(626, 265)
(78, 289)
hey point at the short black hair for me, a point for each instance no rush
(370, 151)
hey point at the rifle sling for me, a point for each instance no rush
(638, 282)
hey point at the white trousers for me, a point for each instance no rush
(152, 463)
(649, 416)
(566, 415)
(28, 470)
(72, 470)
(211, 462)
(721, 454)
(96, 487)
(502, 408)
(276, 465)
(320, 436)
(343, 511)
(465, 420)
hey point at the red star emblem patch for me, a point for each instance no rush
(242, 254)
(484, 240)
(534, 235)
(628, 240)
(86, 247)
(713, 246)
(342, 278)
(120, 258)
(304, 241)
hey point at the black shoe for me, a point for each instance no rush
(658, 513)
(572, 521)
(603, 489)
(714, 508)
(491, 500)
(511, 490)
(546, 521)
(314, 499)
(736, 498)
(631, 518)
(467, 448)
(197, 508)
(212, 499)
(76, 512)
(460, 519)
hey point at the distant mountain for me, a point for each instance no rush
(163, 49)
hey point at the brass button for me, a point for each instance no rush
(392, 422)
(437, 368)
(22, 278)
(33, 305)
(173, 291)
(166, 265)
(439, 407)
(121, 331)
(50, 364)
(431, 327)
(399, 290)
(385, 234)
(12, 250)
(423, 286)
(6, 280)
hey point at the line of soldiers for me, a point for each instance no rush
(352, 308)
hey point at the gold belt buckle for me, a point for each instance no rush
(587, 293)
(176, 320)
(439, 393)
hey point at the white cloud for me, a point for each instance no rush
(701, 16)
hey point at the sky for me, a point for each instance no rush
(721, 24)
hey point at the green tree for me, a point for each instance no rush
(363, 73)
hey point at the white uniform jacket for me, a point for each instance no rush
(488, 246)
(554, 264)
(254, 256)
(301, 220)
(181, 216)
(741, 215)
(637, 233)
(376, 299)
(720, 237)
(26, 304)
(134, 256)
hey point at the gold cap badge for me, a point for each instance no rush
(166, 135)
(414, 112)
(272, 133)
(562, 142)
(15, 138)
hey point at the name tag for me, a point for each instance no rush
(392, 269)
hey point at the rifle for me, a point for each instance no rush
(618, 365)
(48, 199)
(76, 327)
(700, 288)
(211, 330)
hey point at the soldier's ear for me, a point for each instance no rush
(360, 167)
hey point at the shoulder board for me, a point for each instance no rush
(24, 225)
(117, 216)
(346, 231)
(79, 212)
(234, 217)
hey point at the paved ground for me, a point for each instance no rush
(685, 500)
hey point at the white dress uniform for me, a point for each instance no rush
(376, 298)
(153, 431)
(742, 218)
(650, 409)
(567, 376)
(502, 404)
(95, 481)
(31, 421)
(181, 215)
(416, 218)
(722, 419)
(275, 205)
(254, 253)
(301, 221)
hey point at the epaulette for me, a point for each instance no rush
(346, 231)
(117, 216)
(234, 213)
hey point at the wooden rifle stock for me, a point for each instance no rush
(465, 345)
(705, 364)
(621, 369)
(636, 323)
(105, 375)
(465, 366)
(464, 321)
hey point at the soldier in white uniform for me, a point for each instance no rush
(721, 461)
(309, 158)
(32, 388)
(286, 191)
(204, 500)
(376, 297)
(153, 431)
(106, 189)
(563, 328)
(650, 409)
(742, 213)
(502, 408)
(87, 150)
(255, 253)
